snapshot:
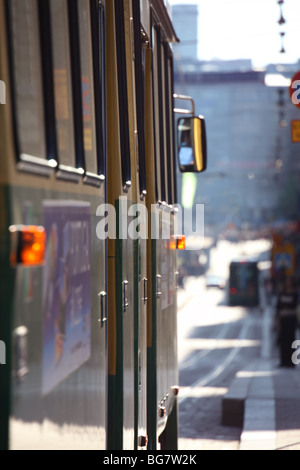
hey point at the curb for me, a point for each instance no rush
(250, 400)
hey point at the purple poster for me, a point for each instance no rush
(66, 290)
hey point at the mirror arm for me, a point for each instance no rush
(185, 98)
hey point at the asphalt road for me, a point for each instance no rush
(215, 341)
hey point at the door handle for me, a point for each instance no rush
(103, 317)
(125, 296)
(158, 285)
(145, 294)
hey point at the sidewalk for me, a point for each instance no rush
(265, 400)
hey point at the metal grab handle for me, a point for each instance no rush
(103, 317)
(145, 294)
(158, 286)
(125, 296)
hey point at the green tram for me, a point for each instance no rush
(88, 313)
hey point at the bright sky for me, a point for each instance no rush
(237, 29)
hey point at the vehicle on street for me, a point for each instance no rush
(214, 280)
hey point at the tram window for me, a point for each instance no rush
(145, 17)
(123, 94)
(87, 88)
(140, 92)
(158, 131)
(27, 78)
(62, 82)
(98, 42)
(162, 119)
(173, 158)
(169, 126)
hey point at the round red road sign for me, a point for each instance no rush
(295, 90)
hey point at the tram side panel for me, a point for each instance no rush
(59, 360)
(135, 44)
(165, 257)
(162, 307)
(121, 250)
(167, 376)
(57, 330)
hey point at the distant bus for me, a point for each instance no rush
(243, 284)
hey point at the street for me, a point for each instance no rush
(215, 341)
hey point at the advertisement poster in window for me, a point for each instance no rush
(66, 290)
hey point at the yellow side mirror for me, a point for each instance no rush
(191, 138)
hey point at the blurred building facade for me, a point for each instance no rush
(185, 19)
(253, 165)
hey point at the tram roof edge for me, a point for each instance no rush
(165, 20)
